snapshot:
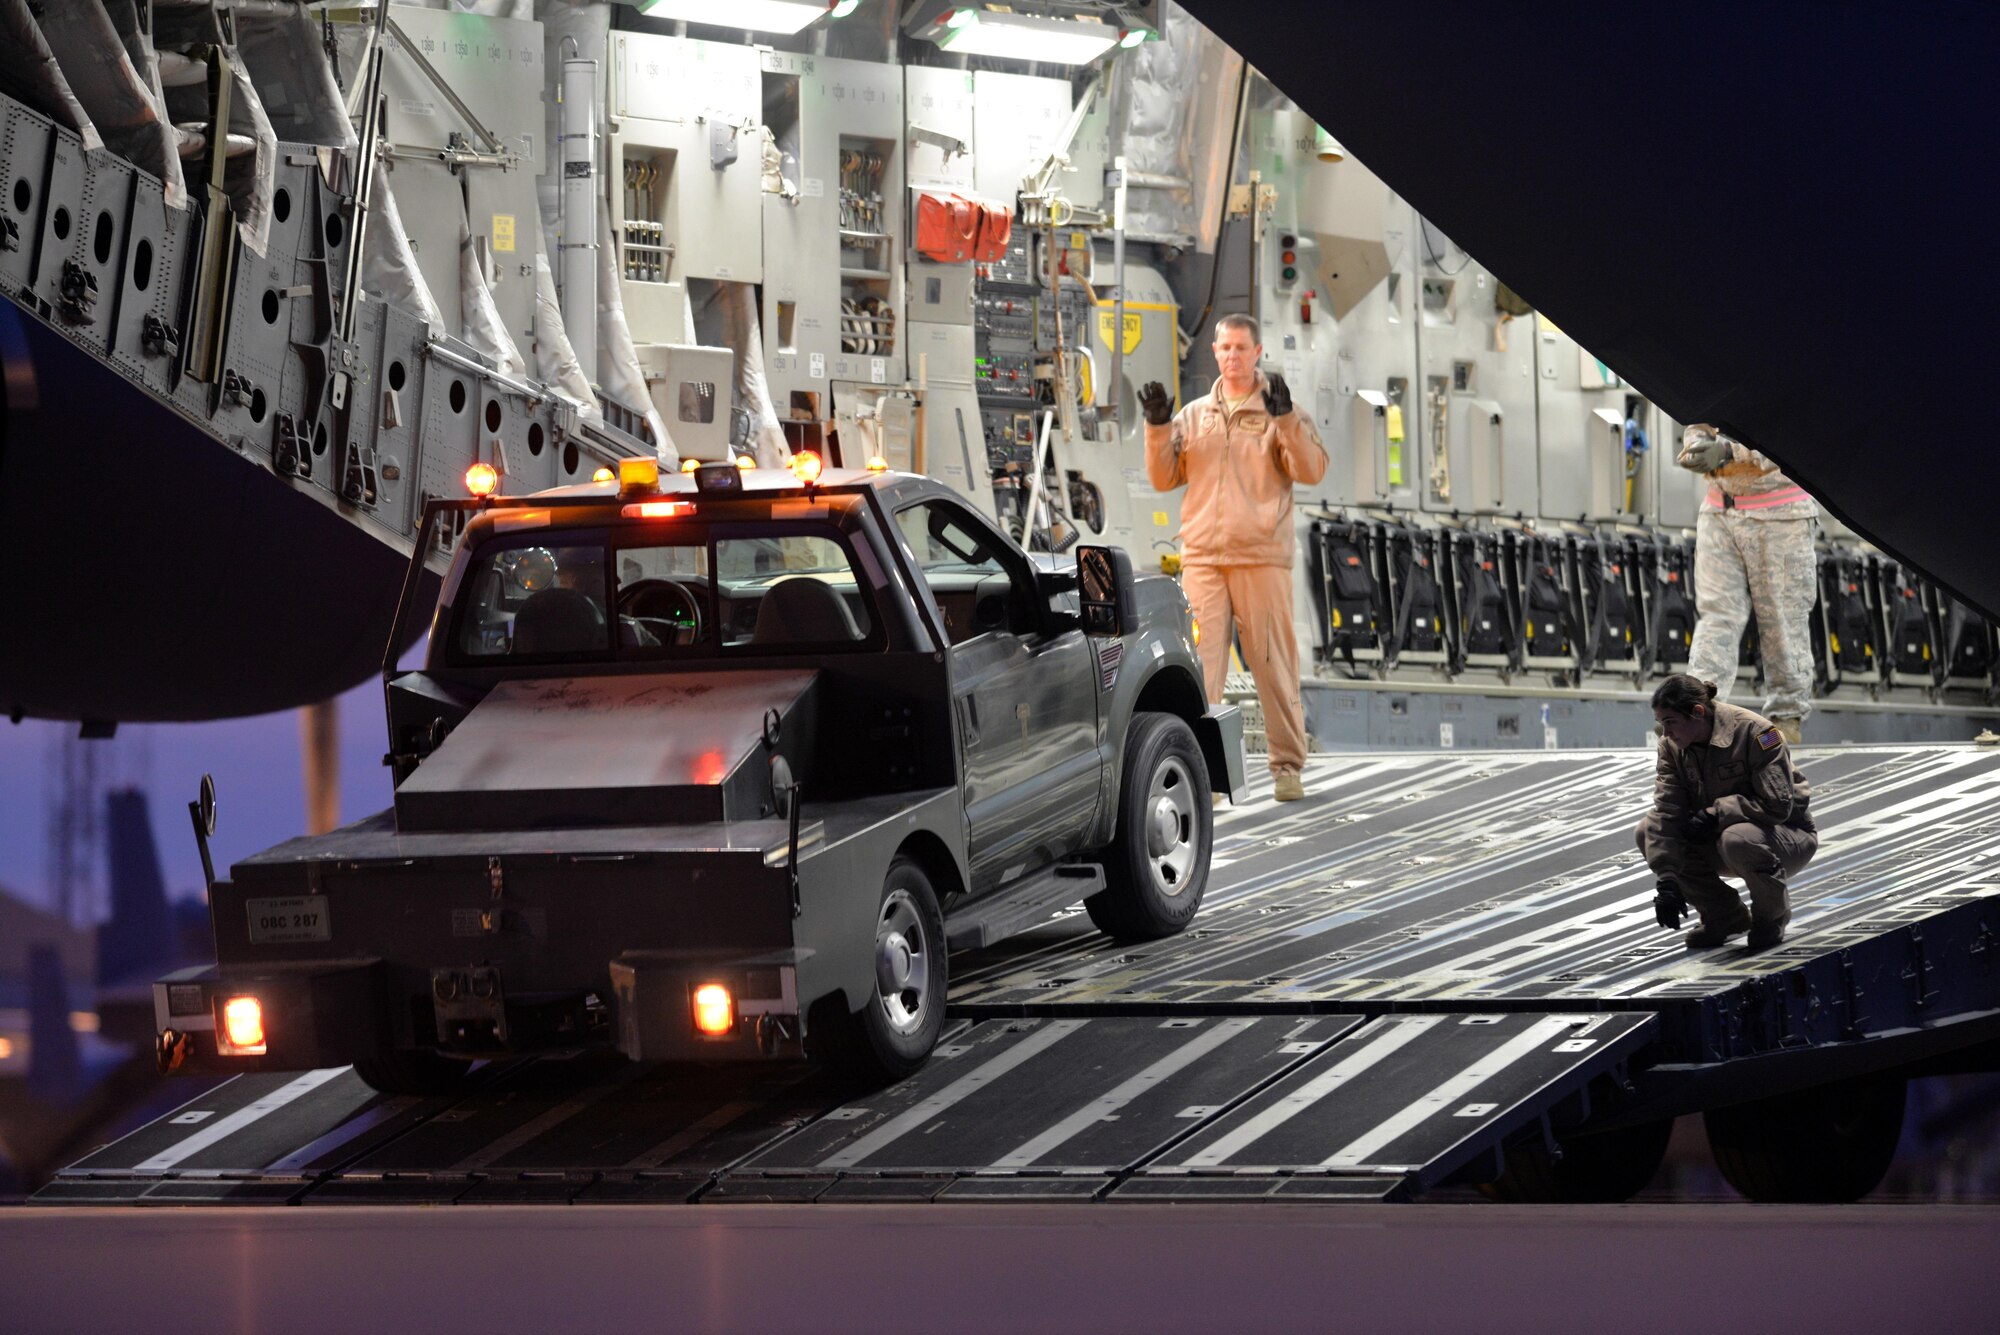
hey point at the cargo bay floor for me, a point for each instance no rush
(1430, 958)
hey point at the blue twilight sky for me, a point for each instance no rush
(260, 786)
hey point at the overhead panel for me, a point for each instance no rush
(939, 342)
(1367, 410)
(687, 165)
(1477, 387)
(834, 237)
(1017, 119)
(494, 69)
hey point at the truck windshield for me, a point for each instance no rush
(664, 591)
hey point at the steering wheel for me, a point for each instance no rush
(664, 600)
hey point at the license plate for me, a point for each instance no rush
(284, 921)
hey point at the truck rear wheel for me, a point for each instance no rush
(903, 1014)
(1157, 865)
(412, 1071)
(1830, 1144)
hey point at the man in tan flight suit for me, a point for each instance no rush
(1239, 450)
(1727, 799)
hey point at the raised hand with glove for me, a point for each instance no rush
(1670, 905)
(1702, 449)
(1277, 395)
(1156, 403)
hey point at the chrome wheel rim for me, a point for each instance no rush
(902, 964)
(1173, 828)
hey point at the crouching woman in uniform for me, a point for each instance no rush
(1727, 801)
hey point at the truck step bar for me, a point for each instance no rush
(1000, 915)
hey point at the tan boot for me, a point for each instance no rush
(1287, 787)
(1788, 728)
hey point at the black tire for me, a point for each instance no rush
(1157, 865)
(412, 1071)
(899, 1021)
(1825, 1145)
(1602, 1167)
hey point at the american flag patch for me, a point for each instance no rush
(1110, 654)
(1769, 739)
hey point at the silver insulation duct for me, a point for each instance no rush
(580, 235)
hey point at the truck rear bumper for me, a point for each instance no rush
(314, 1013)
(658, 1015)
(335, 1012)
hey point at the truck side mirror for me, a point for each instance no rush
(1106, 590)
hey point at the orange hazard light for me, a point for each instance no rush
(243, 1022)
(481, 479)
(806, 467)
(714, 1010)
(659, 510)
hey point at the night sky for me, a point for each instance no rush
(260, 786)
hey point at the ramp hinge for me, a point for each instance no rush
(237, 388)
(158, 337)
(291, 456)
(79, 290)
(359, 484)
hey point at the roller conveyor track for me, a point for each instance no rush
(1390, 981)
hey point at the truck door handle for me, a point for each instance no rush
(968, 713)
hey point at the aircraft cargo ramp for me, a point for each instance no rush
(1433, 964)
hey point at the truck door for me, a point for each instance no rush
(1025, 698)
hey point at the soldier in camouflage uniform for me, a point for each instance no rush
(1753, 552)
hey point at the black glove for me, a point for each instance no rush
(1669, 904)
(1277, 395)
(1157, 404)
(1701, 828)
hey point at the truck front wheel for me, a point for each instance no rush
(903, 1014)
(1157, 865)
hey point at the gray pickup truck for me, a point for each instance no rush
(720, 766)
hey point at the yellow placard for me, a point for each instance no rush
(1133, 329)
(1394, 414)
(1160, 519)
(503, 231)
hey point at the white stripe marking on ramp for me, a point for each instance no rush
(1448, 1094)
(1395, 1034)
(1100, 1108)
(242, 1117)
(897, 1127)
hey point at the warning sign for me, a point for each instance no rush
(503, 231)
(1105, 321)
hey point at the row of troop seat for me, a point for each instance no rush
(1390, 594)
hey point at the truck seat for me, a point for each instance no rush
(803, 610)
